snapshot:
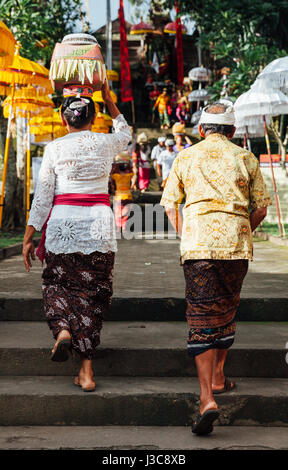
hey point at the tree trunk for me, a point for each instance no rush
(13, 214)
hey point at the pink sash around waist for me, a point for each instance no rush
(73, 199)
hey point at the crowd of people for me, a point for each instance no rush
(132, 168)
(171, 106)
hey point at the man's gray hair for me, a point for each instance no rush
(217, 108)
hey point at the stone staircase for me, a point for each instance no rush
(147, 391)
(144, 376)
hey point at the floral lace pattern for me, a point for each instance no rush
(74, 235)
(80, 162)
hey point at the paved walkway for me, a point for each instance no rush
(150, 268)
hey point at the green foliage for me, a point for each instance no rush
(239, 47)
(38, 24)
(243, 35)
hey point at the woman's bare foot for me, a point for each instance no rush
(84, 384)
(85, 377)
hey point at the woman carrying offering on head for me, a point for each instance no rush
(71, 205)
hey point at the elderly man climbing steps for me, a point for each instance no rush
(226, 198)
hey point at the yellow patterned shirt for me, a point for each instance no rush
(221, 183)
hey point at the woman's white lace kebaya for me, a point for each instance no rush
(80, 163)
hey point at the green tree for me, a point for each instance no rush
(244, 36)
(38, 25)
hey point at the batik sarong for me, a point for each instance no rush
(213, 294)
(77, 290)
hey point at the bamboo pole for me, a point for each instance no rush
(28, 169)
(248, 139)
(244, 142)
(198, 102)
(133, 111)
(276, 197)
(6, 153)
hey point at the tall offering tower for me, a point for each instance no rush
(77, 65)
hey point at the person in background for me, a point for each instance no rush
(165, 161)
(186, 90)
(182, 141)
(156, 151)
(161, 104)
(174, 97)
(182, 111)
(124, 179)
(132, 144)
(220, 182)
(141, 161)
(71, 204)
(153, 95)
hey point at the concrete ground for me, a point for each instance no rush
(150, 268)
(143, 412)
(150, 438)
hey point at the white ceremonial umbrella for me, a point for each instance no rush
(195, 118)
(248, 132)
(261, 100)
(195, 131)
(275, 74)
(199, 74)
(198, 95)
(251, 130)
(258, 102)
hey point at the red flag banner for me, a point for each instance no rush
(125, 74)
(179, 48)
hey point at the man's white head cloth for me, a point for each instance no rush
(227, 117)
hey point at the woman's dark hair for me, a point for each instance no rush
(78, 112)
(124, 166)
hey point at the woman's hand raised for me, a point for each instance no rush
(107, 98)
(106, 95)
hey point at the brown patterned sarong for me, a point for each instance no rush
(77, 290)
(213, 294)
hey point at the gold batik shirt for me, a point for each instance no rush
(221, 183)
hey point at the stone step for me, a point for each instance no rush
(150, 197)
(144, 349)
(150, 438)
(141, 401)
(149, 309)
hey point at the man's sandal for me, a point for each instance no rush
(61, 352)
(203, 424)
(228, 387)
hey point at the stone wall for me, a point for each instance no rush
(281, 178)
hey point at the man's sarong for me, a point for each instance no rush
(213, 294)
(77, 291)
